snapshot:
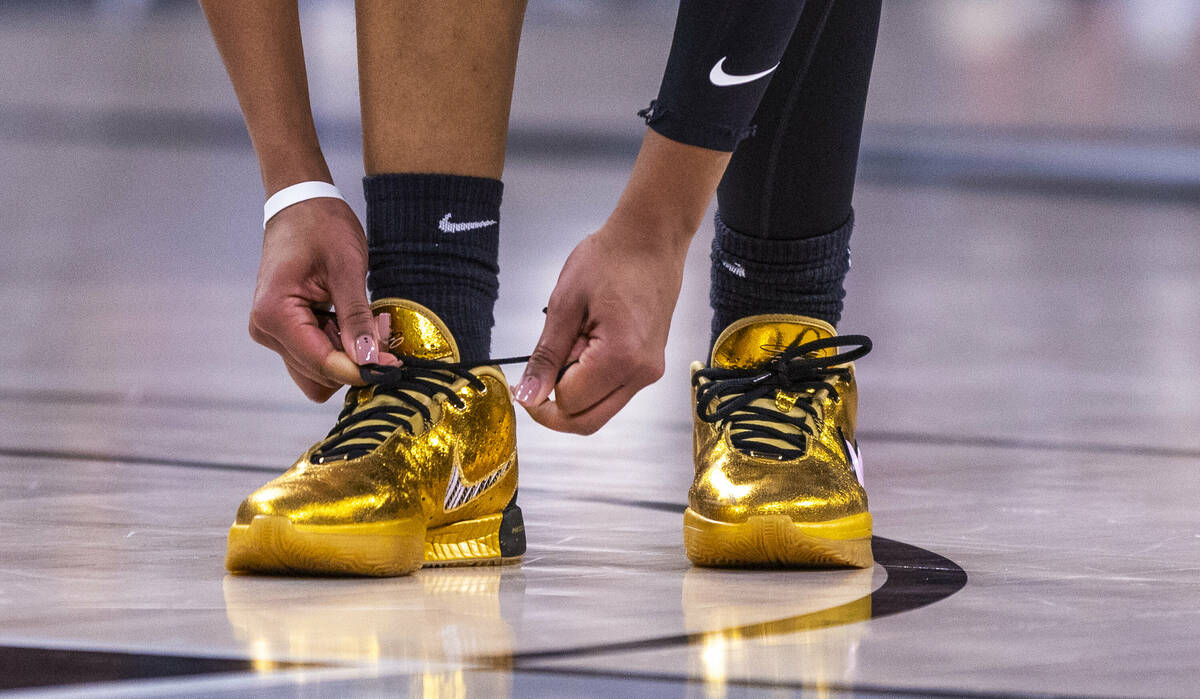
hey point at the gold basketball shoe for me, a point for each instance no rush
(420, 469)
(778, 475)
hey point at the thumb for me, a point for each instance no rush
(563, 323)
(357, 326)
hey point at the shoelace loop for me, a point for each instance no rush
(729, 394)
(415, 376)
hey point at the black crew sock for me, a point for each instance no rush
(753, 276)
(434, 239)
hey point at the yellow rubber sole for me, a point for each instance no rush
(775, 541)
(470, 543)
(274, 544)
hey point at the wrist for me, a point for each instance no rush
(297, 193)
(669, 190)
(651, 229)
(285, 166)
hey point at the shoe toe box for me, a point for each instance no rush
(326, 496)
(738, 487)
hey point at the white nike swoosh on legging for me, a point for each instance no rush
(446, 226)
(717, 76)
(460, 493)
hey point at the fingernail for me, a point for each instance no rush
(528, 389)
(365, 350)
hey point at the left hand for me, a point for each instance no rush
(607, 323)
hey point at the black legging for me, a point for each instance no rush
(795, 177)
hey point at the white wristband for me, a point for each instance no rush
(297, 193)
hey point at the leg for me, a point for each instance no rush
(436, 84)
(778, 473)
(792, 182)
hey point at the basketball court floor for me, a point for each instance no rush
(1026, 260)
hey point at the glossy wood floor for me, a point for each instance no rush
(1029, 415)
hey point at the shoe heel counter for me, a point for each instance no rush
(512, 530)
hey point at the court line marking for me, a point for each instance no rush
(855, 688)
(916, 578)
(73, 455)
(38, 667)
(146, 400)
(917, 438)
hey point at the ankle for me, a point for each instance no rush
(434, 239)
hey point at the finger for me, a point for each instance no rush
(315, 386)
(296, 367)
(387, 359)
(603, 367)
(581, 344)
(572, 359)
(293, 326)
(358, 326)
(564, 320)
(551, 414)
(383, 330)
(329, 326)
(313, 390)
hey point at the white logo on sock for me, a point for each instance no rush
(446, 226)
(717, 76)
(734, 268)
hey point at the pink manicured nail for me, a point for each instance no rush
(365, 350)
(528, 389)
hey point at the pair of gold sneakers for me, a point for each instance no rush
(421, 467)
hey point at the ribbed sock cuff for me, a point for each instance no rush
(753, 276)
(435, 239)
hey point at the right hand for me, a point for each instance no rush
(606, 323)
(315, 254)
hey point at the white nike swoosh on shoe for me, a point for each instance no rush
(717, 76)
(447, 226)
(855, 459)
(460, 493)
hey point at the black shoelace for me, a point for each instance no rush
(729, 394)
(358, 431)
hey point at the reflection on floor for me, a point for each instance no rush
(1028, 414)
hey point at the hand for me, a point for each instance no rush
(607, 322)
(314, 254)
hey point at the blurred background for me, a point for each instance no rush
(1025, 259)
(1028, 207)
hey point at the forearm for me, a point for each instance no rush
(261, 46)
(668, 191)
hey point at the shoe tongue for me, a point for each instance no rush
(751, 342)
(417, 331)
